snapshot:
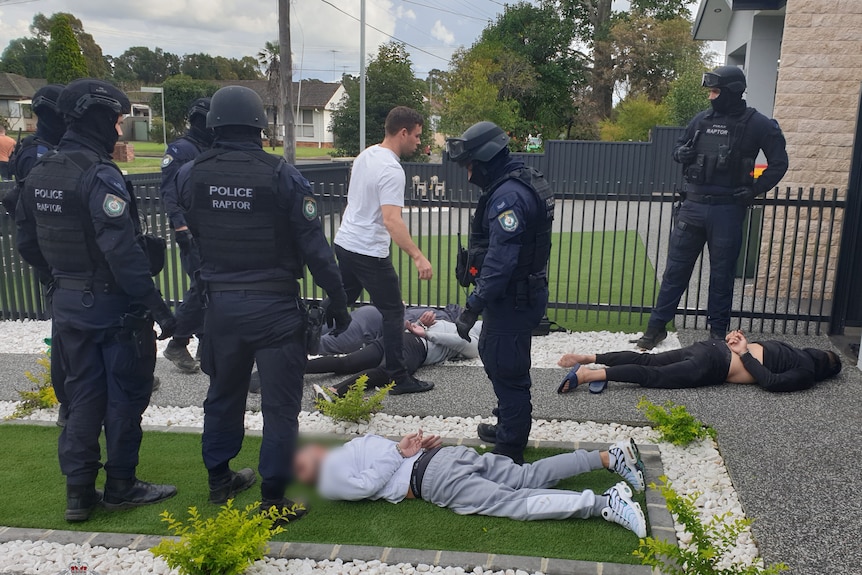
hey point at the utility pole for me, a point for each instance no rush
(361, 76)
(286, 81)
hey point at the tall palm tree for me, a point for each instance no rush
(270, 64)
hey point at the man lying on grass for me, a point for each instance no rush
(772, 365)
(461, 479)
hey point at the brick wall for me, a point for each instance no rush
(816, 104)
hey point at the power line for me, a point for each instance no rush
(385, 33)
(461, 14)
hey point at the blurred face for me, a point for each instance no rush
(410, 140)
(306, 463)
(119, 125)
(714, 93)
(469, 170)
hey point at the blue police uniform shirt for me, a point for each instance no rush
(28, 157)
(761, 133)
(511, 210)
(311, 243)
(178, 153)
(116, 236)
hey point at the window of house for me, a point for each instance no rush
(4, 108)
(305, 125)
(27, 111)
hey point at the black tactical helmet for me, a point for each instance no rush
(725, 77)
(480, 142)
(81, 95)
(201, 107)
(236, 106)
(46, 98)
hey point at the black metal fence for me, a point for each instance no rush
(610, 247)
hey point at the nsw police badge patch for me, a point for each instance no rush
(508, 221)
(114, 206)
(167, 161)
(309, 208)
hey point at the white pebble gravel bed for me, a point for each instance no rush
(698, 467)
(28, 336)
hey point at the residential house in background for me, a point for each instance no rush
(15, 94)
(317, 101)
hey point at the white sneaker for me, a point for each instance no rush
(320, 393)
(625, 460)
(622, 510)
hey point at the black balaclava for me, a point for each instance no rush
(199, 131)
(50, 126)
(486, 173)
(826, 364)
(98, 124)
(728, 102)
(238, 134)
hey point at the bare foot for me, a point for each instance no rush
(570, 359)
(576, 381)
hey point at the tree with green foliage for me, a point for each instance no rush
(97, 65)
(632, 120)
(686, 95)
(390, 82)
(65, 61)
(140, 64)
(26, 57)
(180, 91)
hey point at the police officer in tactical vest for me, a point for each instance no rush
(510, 242)
(256, 223)
(50, 127)
(190, 314)
(717, 153)
(77, 221)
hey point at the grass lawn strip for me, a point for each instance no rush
(31, 466)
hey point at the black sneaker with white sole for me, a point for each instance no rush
(410, 384)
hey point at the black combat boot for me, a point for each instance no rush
(282, 504)
(654, 335)
(80, 502)
(178, 353)
(222, 489)
(128, 493)
(487, 432)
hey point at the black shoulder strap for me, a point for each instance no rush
(741, 123)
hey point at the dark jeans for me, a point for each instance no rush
(190, 313)
(504, 347)
(4, 171)
(703, 363)
(378, 277)
(719, 227)
(247, 327)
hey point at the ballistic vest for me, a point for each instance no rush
(64, 228)
(536, 247)
(719, 160)
(235, 216)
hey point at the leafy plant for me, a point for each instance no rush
(42, 395)
(222, 545)
(354, 406)
(675, 424)
(711, 542)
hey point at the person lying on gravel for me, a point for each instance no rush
(426, 342)
(467, 482)
(364, 337)
(772, 365)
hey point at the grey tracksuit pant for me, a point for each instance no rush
(460, 479)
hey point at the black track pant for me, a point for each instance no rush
(700, 364)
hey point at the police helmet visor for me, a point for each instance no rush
(711, 80)
(457, 149)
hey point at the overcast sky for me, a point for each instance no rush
(325, 41)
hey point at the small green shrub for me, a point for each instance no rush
(354, 406)
(222, 545)
(42, 395)
(710, 542)
(675, 424)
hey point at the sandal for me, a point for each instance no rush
(571, 376)
(598, 386)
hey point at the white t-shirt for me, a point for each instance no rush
(377, 179)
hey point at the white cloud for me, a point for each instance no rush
(407, 13)
(439, 32)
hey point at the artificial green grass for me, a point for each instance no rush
(157, 149)
(34, 497)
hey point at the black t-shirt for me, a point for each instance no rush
(784, 367)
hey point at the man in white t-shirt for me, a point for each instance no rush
(371, 221)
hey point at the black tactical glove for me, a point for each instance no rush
(745, 195)
(339, 317)
(184, 238)
(465, 323)
(161, 315)
(686, 154)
